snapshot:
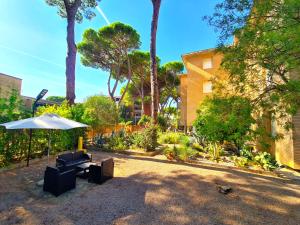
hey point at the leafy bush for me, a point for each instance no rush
(13, 144)
(224, 119)
(247, 153)
(172, 138)
(182, 153)
(117, 143)
(146, 139)
(266, 161)
(100, 111)
(145, 120)
(162, 122)
(241, 161)
(61, 140)
(263, 159)
(215, 150)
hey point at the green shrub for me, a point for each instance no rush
(247, 153)
(162, 122)
(224, 119)
(266, 161)
(198, 147)
(215, 150)
(146, 139)
(182, 153)
(263, 159)
(241, 161)
(100, 111)
(145, 120)
(117, 143)
(172, 138)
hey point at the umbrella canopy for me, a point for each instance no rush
(46, 121)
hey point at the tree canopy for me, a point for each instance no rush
(85, 8)
(108, 49)
(264, 62)
(58, 99)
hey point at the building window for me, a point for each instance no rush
(207, 87)
(207, 63)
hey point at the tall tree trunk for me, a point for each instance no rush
(70, 61)
(142, 95)
(154, 84)
(71, 53)
(129, 79)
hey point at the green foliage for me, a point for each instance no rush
(13, 144)
(61, 140)
(63, 110)
(241, 161)
(117, 143)
(84, 9)
(224, 119)
(146, 139)
(262, 159)
(12, 108)
(145, 120)
(247, 153)
(58, 99)
(182, 153)
(168, 83)
(215, 150)
(162, 122)
(266, 161)
(108, 49)
(100, 111)
(262, 64)
(172, 138)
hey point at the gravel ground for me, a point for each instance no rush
(151, 190)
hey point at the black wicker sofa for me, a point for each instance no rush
(69, 161)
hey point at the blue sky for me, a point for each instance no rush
(33, 39)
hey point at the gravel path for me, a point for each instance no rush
(151, 190)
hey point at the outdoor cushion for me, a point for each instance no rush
(66, 157)
(71, 160)
(78, 155)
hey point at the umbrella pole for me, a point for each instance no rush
(49, 146)
(29, 147)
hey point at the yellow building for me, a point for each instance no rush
(202, 69)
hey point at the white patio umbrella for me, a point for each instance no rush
(47, 122)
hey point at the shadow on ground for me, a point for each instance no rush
(152, 191)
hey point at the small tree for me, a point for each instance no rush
(224, 119)
(168, 84)
(73, 11)
(100, 111)
(140, 62)
(108, 49)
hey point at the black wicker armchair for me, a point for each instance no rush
(99, 174)
(57, 182)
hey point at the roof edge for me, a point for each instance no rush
(10, 76)
(199, 52)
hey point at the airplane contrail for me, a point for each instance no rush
(32, 56)
(103, 14)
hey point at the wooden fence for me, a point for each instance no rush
(108, 130)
